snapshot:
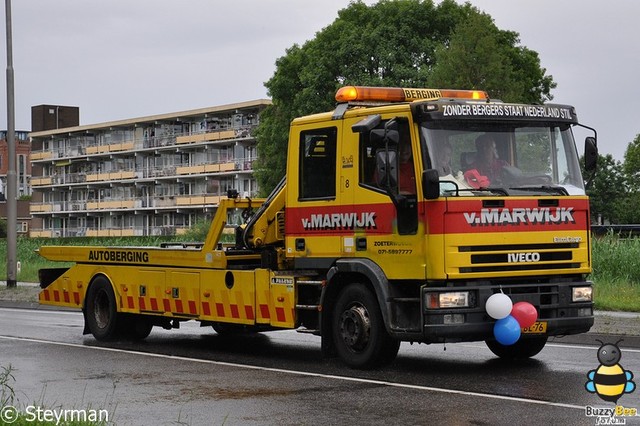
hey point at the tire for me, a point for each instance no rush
(137, 327)
(523, 348)
(101, 311)
(360, 337)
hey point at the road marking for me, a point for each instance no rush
(43, 311)
(567, 346)
(303, 373)
(550, 345)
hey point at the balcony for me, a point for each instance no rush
(191, 200)
(100, 177)
(108, 232)
(40, 208)
(190, 170)
(41, 181)
(110, 204)
(42, 155)
(199, 137)
(111, 232)
(206, 137)
(114, 147)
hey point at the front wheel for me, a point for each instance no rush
(101, 312)
(523, 348)
(359, 333)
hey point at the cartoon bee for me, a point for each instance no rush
(610, 381)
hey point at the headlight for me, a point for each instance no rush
(582, 294)
(457, 299)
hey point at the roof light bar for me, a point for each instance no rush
(400, 94)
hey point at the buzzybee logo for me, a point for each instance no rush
(610, 381)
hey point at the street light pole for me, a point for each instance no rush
(12, 202)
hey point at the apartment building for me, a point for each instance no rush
(23, 168)
(23, 178)
(154, 175)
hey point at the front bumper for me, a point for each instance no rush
(552, 301)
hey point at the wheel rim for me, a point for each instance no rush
(101, 310)
(355, 327)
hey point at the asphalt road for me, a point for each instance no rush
(193, 376)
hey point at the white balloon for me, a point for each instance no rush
(499, 306)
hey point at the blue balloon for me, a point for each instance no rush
(507, 330)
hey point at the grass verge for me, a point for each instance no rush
(12, 412)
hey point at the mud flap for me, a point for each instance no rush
(85, 330)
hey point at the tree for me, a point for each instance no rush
(391, 43)
(627, 206)
(480, 56)
(607, 191)
(632, 161)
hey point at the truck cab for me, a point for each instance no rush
(435, 201)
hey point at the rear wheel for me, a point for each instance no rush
(523, 348)
(359, 333)
(101, 310)
(137, 327)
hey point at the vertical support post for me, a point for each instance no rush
(12, 187)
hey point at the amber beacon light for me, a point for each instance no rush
(400, 94)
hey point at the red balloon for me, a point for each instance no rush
(525, 313)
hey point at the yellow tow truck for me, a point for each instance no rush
(402, 212)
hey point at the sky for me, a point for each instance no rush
(122, 59)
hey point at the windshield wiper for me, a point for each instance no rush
(494, 190)
(545, 188)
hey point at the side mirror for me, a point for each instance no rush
(393, 136)
(430, 184)
(386, 171)
(367, 124)
(590, 153)
(380, 137)
(377, 137)
(391, 131)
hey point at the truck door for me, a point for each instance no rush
(315, 217)
(388, 166)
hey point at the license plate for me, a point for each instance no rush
(539, 327)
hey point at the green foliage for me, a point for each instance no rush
(480, 56)
(616, 295)
(7, 393)
(31, 261)
(3, 228)
(615, 274)
(614, 191)
(272, 134)
(607, 191)
(632, 160)
(616, 258)
(392, 43)
(12, 407)
(197, 232)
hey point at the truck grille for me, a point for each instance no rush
(519, 257)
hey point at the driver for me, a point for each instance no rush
(487, 162)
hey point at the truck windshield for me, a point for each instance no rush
(510, 159)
